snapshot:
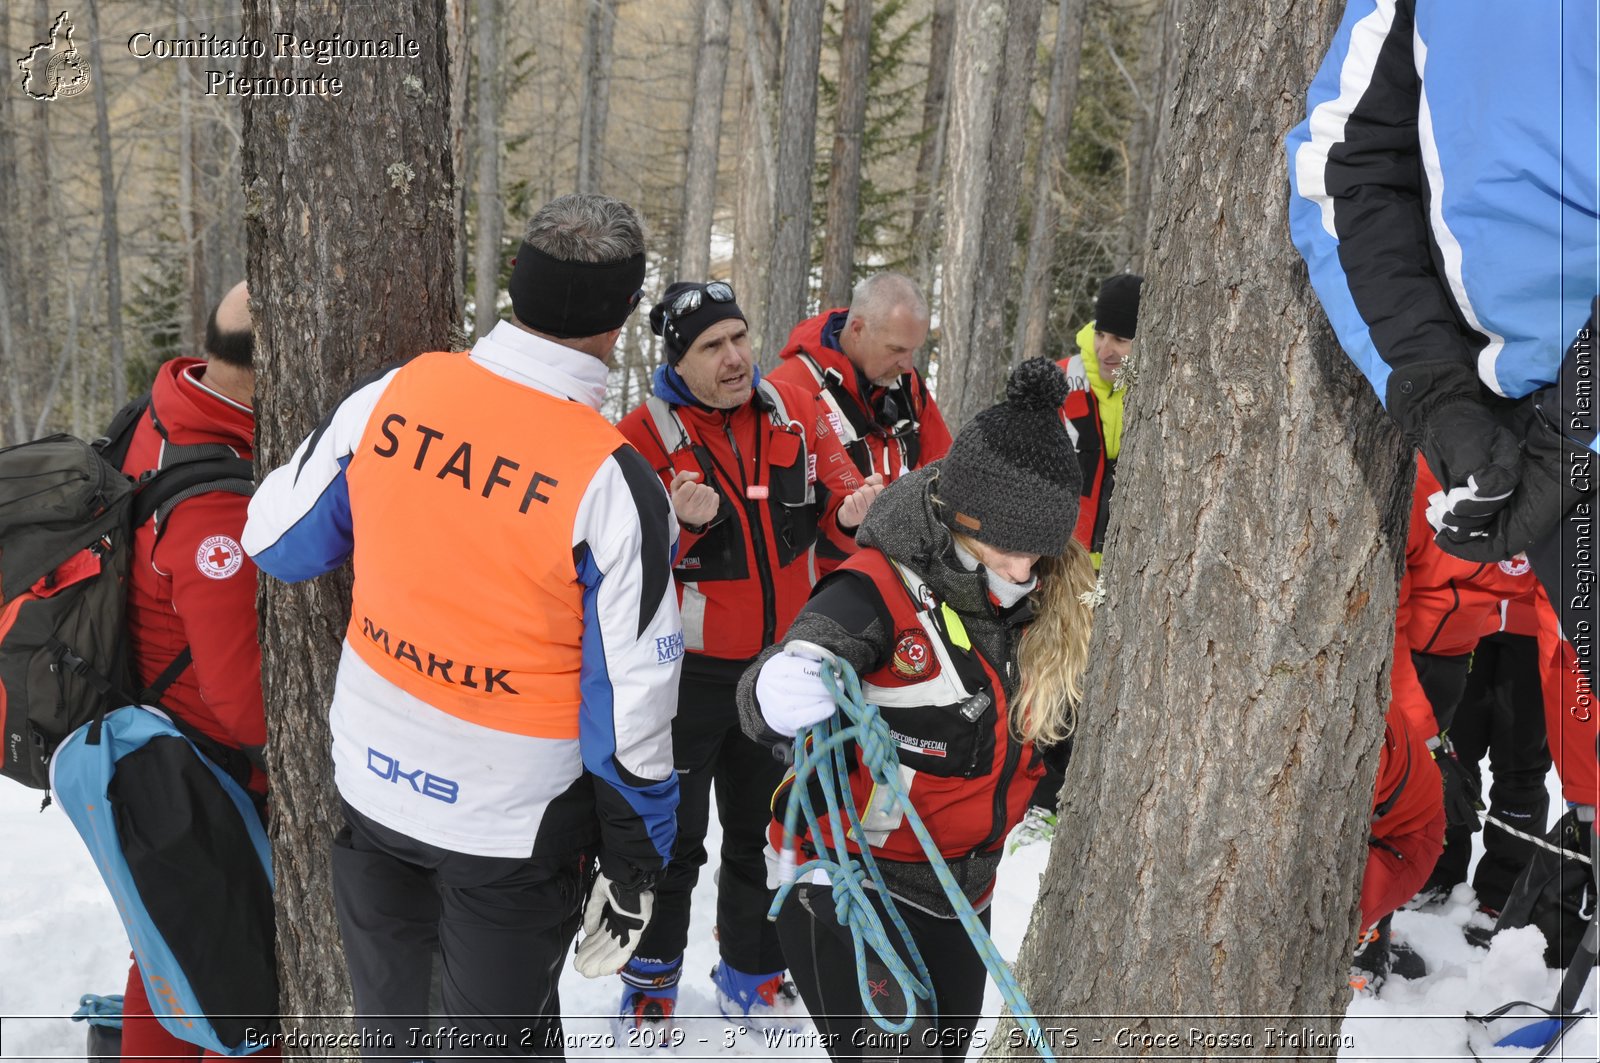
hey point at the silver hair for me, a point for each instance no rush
(882, 292)
(586, 227)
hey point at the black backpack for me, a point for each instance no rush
(67, 517)
(1555, 893)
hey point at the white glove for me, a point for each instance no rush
(613, 923)
(791, 693)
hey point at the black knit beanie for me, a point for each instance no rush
(679, 331)
(1116, 308)
(1011, 478)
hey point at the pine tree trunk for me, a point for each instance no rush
(1214, 823)
(13, 418)
(595, 102)
(195, 309)
(789, 278)
(752, 211)
(993, 72)
(925, 212)
(486, 282)
(1033, 300)
(1159, 77)
(108, 207)
(350, 270)
(705, 135)
(844, 166)
(460, 45)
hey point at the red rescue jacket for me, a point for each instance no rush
(782, 477)
(946, 707)
(879, 437)
(193, 585)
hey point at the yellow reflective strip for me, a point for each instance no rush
(953, 625)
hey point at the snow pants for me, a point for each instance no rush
(500, 927)
(709, 747)
(823, 965)
(1500, 714)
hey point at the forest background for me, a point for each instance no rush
(123, 212)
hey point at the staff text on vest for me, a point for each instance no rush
(456, 461)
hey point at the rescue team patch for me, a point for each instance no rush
(913, 656)
(1516, 566)
(218, 557)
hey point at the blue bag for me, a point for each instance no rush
(181, 847)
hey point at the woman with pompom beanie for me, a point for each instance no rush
(966, 614)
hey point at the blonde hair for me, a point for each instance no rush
(1054, 652)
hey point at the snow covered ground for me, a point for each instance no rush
(60, 938)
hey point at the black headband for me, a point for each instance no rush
(573, 299)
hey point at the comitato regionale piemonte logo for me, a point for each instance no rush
(54, 68)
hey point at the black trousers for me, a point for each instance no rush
(501, 929)
(1501, 714)
(708, 747)
(823, 965)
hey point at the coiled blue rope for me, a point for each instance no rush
(820, 755)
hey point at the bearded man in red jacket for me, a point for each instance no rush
(192, 589)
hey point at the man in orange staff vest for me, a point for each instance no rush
(504, 700)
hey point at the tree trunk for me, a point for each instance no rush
(752, 210)
(1159, 77)
(1214, 823)
(844, 166)
(14, 417)
(705, 135)
(1033, 300)
(460, 45)
(486, 283)
(195, 309)
(930, 153)
(789, 275)
(354, 262)
(594, 105)
(993, 63)
(108, 209)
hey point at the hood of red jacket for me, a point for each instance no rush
(193, 414)
(807, 337)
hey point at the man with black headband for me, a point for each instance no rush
(504, 701)
(859, 362)
(757, 478)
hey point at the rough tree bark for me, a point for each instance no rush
(486, 282)
(844, 165)
(789, 274)
(752, 209)
(595, 103)
(925, 210)
(993, 72)
(705, 135)
(108, 220)
(1214, 823)
(350, 270)
(1033, 299)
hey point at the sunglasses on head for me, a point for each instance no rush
(690, 301)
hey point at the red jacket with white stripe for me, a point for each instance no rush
(193, 585)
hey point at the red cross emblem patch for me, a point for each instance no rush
(218, 557)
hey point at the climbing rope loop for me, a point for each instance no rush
(822, 767)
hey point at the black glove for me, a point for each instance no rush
(1461, 804)
(1556, 475)
(614, 921)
